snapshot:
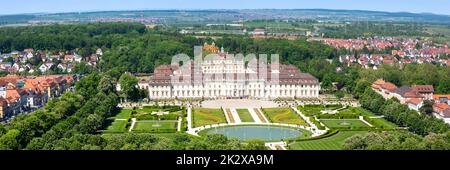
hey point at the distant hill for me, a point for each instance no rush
(207, 16)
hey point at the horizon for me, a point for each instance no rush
(216, 9)
(18, 7)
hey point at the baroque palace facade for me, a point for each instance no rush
(227, 77)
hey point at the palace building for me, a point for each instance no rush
(227, 77)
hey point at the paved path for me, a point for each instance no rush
(260, 115)
(239, 103)
(133, 122)
(189, 118)
(179, 124)
(254, 115)
(228, 115)
(362, 119)
(235, 114)
(316, 131)
(194, 131)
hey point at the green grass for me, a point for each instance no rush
(352, 123)
(382, 123)
(361, 111)
(150, 109)
(203, 116)
(155, 126)
(311, 110)
(117, 126)
(123, 114)
(245, 115)
(334, 142)
(284, 115)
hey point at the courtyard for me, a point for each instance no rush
(238, 103)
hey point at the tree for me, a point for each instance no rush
(255, 145)
(339, 94)
(327, 82)
(82, 68)
(444, 85)
(106, 84)
(360, 87)
(2, 129)
(128, 87)
(9, 141)
(90, 124)
(427, 107)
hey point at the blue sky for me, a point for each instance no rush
(51, 6)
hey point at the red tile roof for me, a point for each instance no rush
(415, 101)
(439, 96)
(389, 86)
(423, 88)
(440, 107)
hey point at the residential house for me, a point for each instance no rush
(405, 93)
(414, 103)
(441, 98)
(425, 90)
(45, 67)
(442, 111)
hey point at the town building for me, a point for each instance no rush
(415, 96)
(20, 94)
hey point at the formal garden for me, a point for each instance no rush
(204, 116)
(149, 119)
(283, 115)
(245, 116)
(342, 122)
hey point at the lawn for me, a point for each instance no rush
(150, 109)
(311, 110)
(118, 126)
(284, 115)
(124, 114)
(155, 126)
(334, 142)
(245, 115)
(382, 123)
(357, 110)
(203, 116)
(344, 123)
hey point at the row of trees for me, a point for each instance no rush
(398, 140)
(401, 115)
(412, 74)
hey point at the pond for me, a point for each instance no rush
(266, 133)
